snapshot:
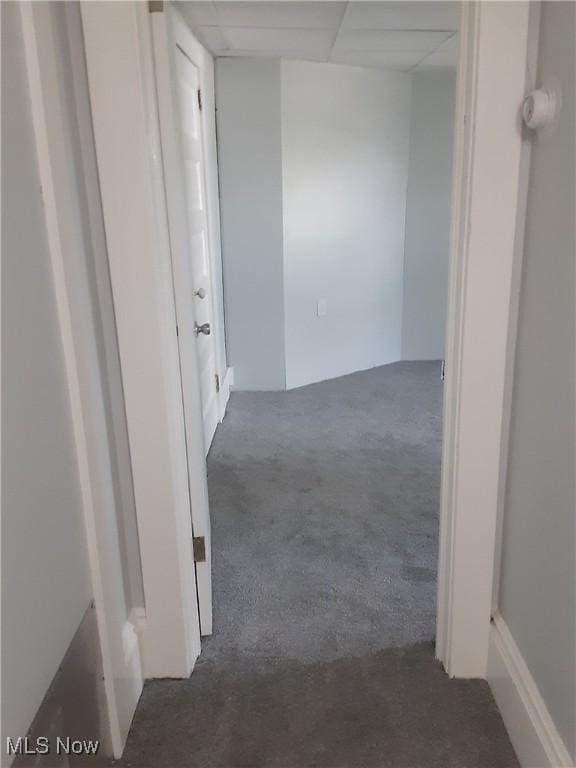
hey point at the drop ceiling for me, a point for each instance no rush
(405, 36)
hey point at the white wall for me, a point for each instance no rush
(345, 162)
(538, 576)
(313, 163)
(356, 166)
(250, 166)
(428, 215)
(46, 585)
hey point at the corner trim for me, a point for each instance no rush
(132, 632)
(526, 717)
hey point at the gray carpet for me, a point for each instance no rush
(325, 515)
(324, 506)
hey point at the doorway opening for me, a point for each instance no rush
(334, 191)
(324, 476)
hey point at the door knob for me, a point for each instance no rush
(204, 328)
(201, 293)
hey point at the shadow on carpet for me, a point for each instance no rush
(393, 709)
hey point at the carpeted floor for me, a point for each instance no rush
(324, 504)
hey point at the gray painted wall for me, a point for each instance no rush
(75, 704)
(45, 580)
(250, 168)
(345, 164)
(538, 578)
(428, 216)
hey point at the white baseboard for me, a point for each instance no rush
(532, 731)
(130, 644)
(132, 675)
(225, 387)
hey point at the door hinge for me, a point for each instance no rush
(155, 6)
(199, 549)
(443, 371)
(199, 99)
(177, 334)
(217, 382)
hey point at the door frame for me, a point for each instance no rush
(484, 274)
(496, 50)
(119, 61)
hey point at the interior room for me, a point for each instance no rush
(335, 181)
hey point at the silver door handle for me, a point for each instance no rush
(201, 293)
(204, 328)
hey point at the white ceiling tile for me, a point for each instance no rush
(387, 35)
(383, 40)
(444, 57)
(397, 60)
(213, 38)
(305, 41)
(198, 13)
(401, 15)
(280, 13)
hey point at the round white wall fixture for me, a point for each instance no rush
(541, 108)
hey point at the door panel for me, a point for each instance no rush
(193, 171)
(182, 164)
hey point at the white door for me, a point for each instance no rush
(190, 128)
(177, 81)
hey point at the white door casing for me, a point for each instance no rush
(119, 59)
(176, 85)
(494, 51)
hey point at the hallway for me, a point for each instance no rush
(324, 504)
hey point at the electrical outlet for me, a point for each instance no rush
(321, 307)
